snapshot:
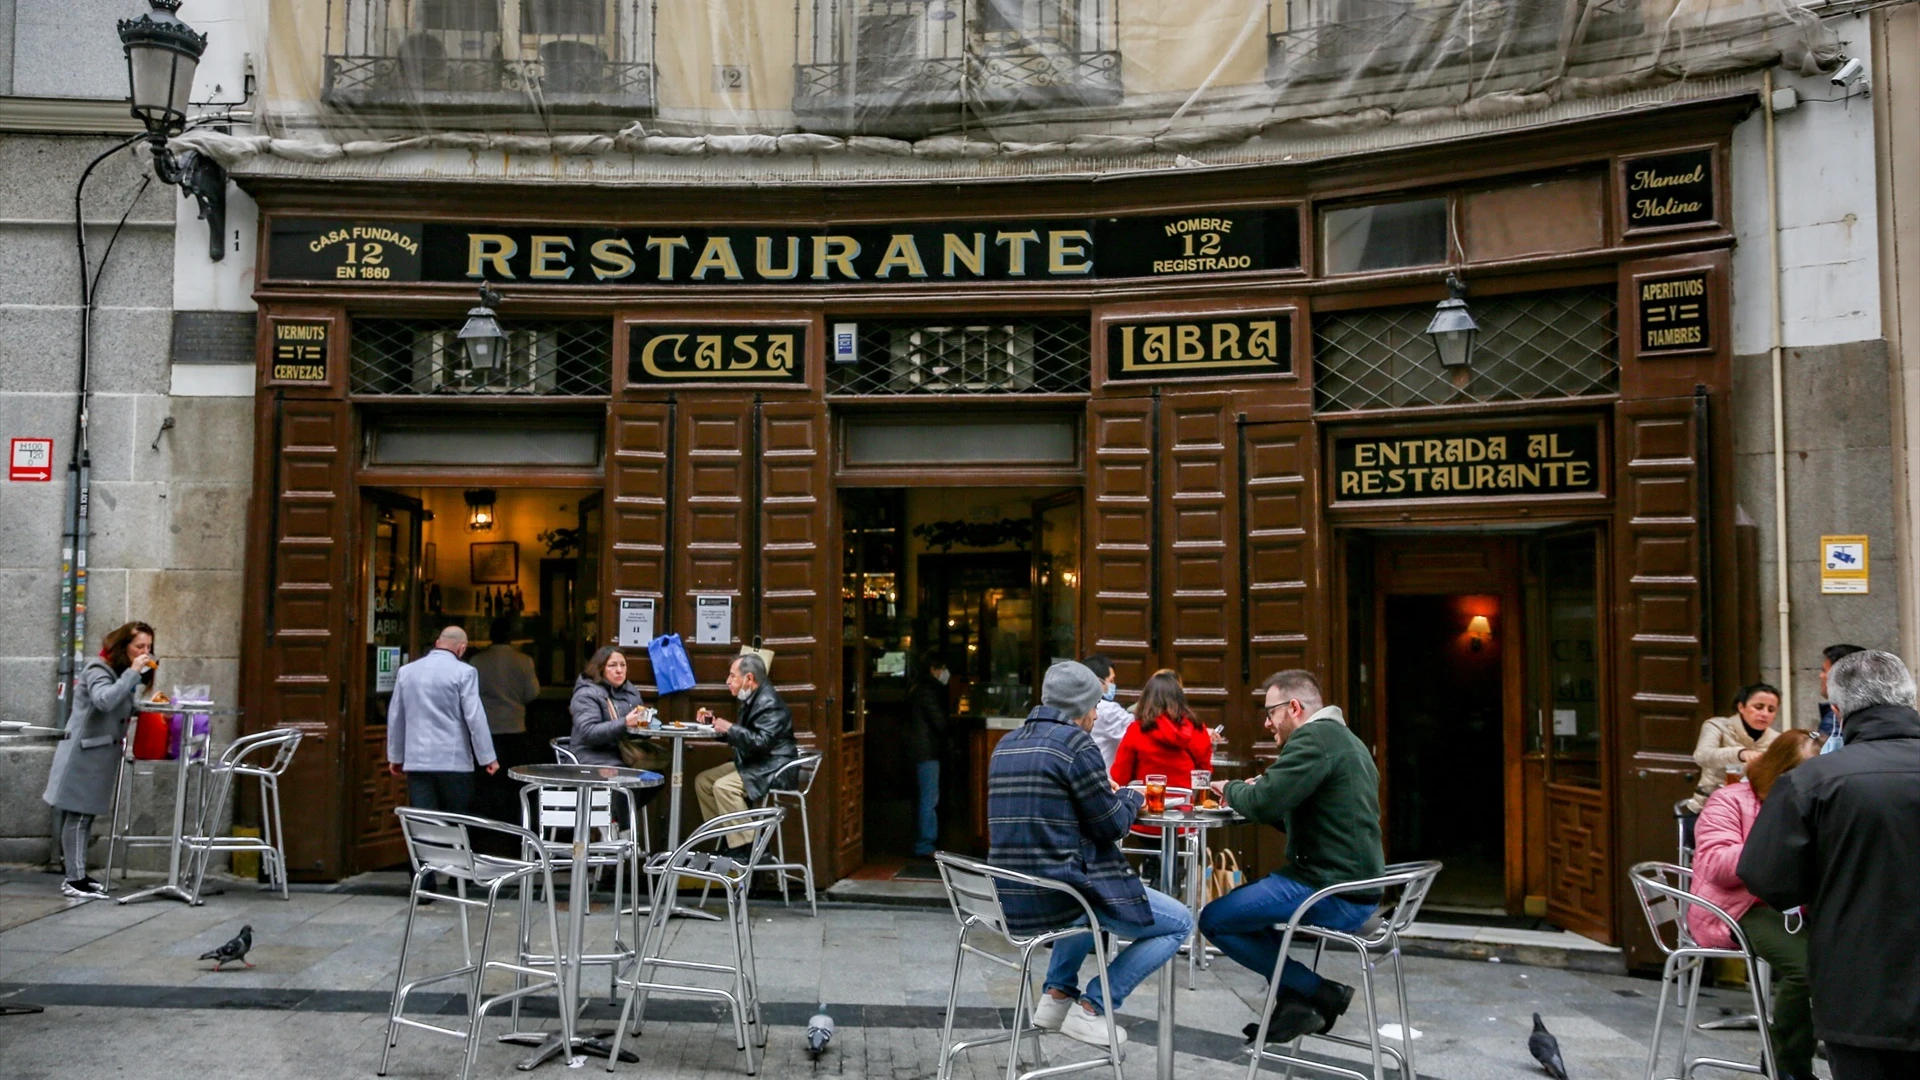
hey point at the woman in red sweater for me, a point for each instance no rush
(1166, 740)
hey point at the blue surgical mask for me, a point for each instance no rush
(943, 677)
(1834, 742)
(1112, 692)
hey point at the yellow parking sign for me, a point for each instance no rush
(1843, 564)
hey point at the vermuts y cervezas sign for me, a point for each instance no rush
(1532, 460)
(1221, 241)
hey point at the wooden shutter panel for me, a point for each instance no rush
(1283, 573)
(640, 440)
(1120, 532)
(797, 599)
(305, 663)
(1664, 686)
(1200, 550)
(715, 529)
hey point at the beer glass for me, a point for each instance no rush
(1201, 796)
(1156, 794)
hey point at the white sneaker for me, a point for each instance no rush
(1051, 1011)
(1082, 1026)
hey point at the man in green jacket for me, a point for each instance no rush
(1324, 793)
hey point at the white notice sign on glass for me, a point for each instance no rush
(386, 667)
(636, 620)
(712, 620)
(1566, 721)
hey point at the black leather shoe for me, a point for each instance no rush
(1331, 1000)
(1293, 1016)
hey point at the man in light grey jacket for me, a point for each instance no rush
(436, 730)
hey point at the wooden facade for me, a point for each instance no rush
(1214, 538)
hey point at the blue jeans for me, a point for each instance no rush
(929, 774)
(1150, 946)
(1242, 922)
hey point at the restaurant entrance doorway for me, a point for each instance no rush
(1487, 713)
(988, 580)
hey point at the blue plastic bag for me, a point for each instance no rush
(672, 671)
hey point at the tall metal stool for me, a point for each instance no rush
(442, 843)
(790, 785)
(264, 756)
(1665, 894)
(732, 876)
(973, 890)
(1382, 939)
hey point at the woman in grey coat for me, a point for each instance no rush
(80, 785)
(603, 701)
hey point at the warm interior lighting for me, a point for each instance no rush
(480, 510)
(1478, 631)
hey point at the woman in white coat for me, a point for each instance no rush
(80, 786)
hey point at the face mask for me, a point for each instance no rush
(1113, 691)
(943, 677)
(744, 693)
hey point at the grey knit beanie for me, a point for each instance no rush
(1073, 688)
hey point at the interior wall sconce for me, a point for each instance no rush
(480, 510)
(1478, 631)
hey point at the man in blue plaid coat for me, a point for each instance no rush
(1053, 812)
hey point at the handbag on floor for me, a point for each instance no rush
(1224, 876)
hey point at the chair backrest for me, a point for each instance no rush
(762, 821)
(558, 807)
(563, 751)
(251, 751)
(443, 842)
(974, 891)
(796, 776)
(1414, 880)
(1665, 892)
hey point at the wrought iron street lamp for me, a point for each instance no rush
(162, 55)
(481, 337)
(1453, 328)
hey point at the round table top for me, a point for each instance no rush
(586, 776)
(667, 731)
(198, 708)
(1178, 818)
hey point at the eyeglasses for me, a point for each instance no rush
(1282, 705)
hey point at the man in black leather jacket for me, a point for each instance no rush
(762, 741)
(1839, 835)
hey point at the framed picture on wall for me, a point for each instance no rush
(494, 564)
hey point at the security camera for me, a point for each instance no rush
(1852, 71)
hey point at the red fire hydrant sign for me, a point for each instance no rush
(30, 460)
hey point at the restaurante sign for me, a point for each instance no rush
(1158, 245)
(1557, 460)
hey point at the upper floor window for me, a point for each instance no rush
(491, 55)
(1397, 43)
(905, 67)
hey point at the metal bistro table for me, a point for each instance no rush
(584, 780)
(677, 779)
(1170, 823)
(173, 887)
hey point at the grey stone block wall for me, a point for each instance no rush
(1840, 479)
(168, 523)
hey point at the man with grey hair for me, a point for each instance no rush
(1840, 835)
(436, 728)
(762, 741)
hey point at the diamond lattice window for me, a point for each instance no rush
(1541, 345)
(572, 358)
(1048, 355)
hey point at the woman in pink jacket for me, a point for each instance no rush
(1719, 837)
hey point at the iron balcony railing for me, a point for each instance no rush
(490, 55)
(907, 66)
(1341, 39)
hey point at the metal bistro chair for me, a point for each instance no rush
(790, 786)
(264, 756)
(733, 877)
(1380, 937)
(1683, 838)
(1665, 894)
(973, 890)
(563, 755)
(549, 811)
(442, 843)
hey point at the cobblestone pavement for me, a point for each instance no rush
(124, 994)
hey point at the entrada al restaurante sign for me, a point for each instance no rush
(1160, 245)
(1557, 460)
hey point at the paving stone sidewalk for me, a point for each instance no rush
(124, 994)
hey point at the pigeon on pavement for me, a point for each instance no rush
(236, 949)
(1546, 1050)
(819, 1033)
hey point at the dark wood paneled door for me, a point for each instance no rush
(1120, 535)
(388, 588)
(302, 675)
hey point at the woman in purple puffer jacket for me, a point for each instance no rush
(1719, 838)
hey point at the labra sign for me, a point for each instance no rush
(724, 353)
(1160, 245)
(1259, 344)
(1557, 460)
